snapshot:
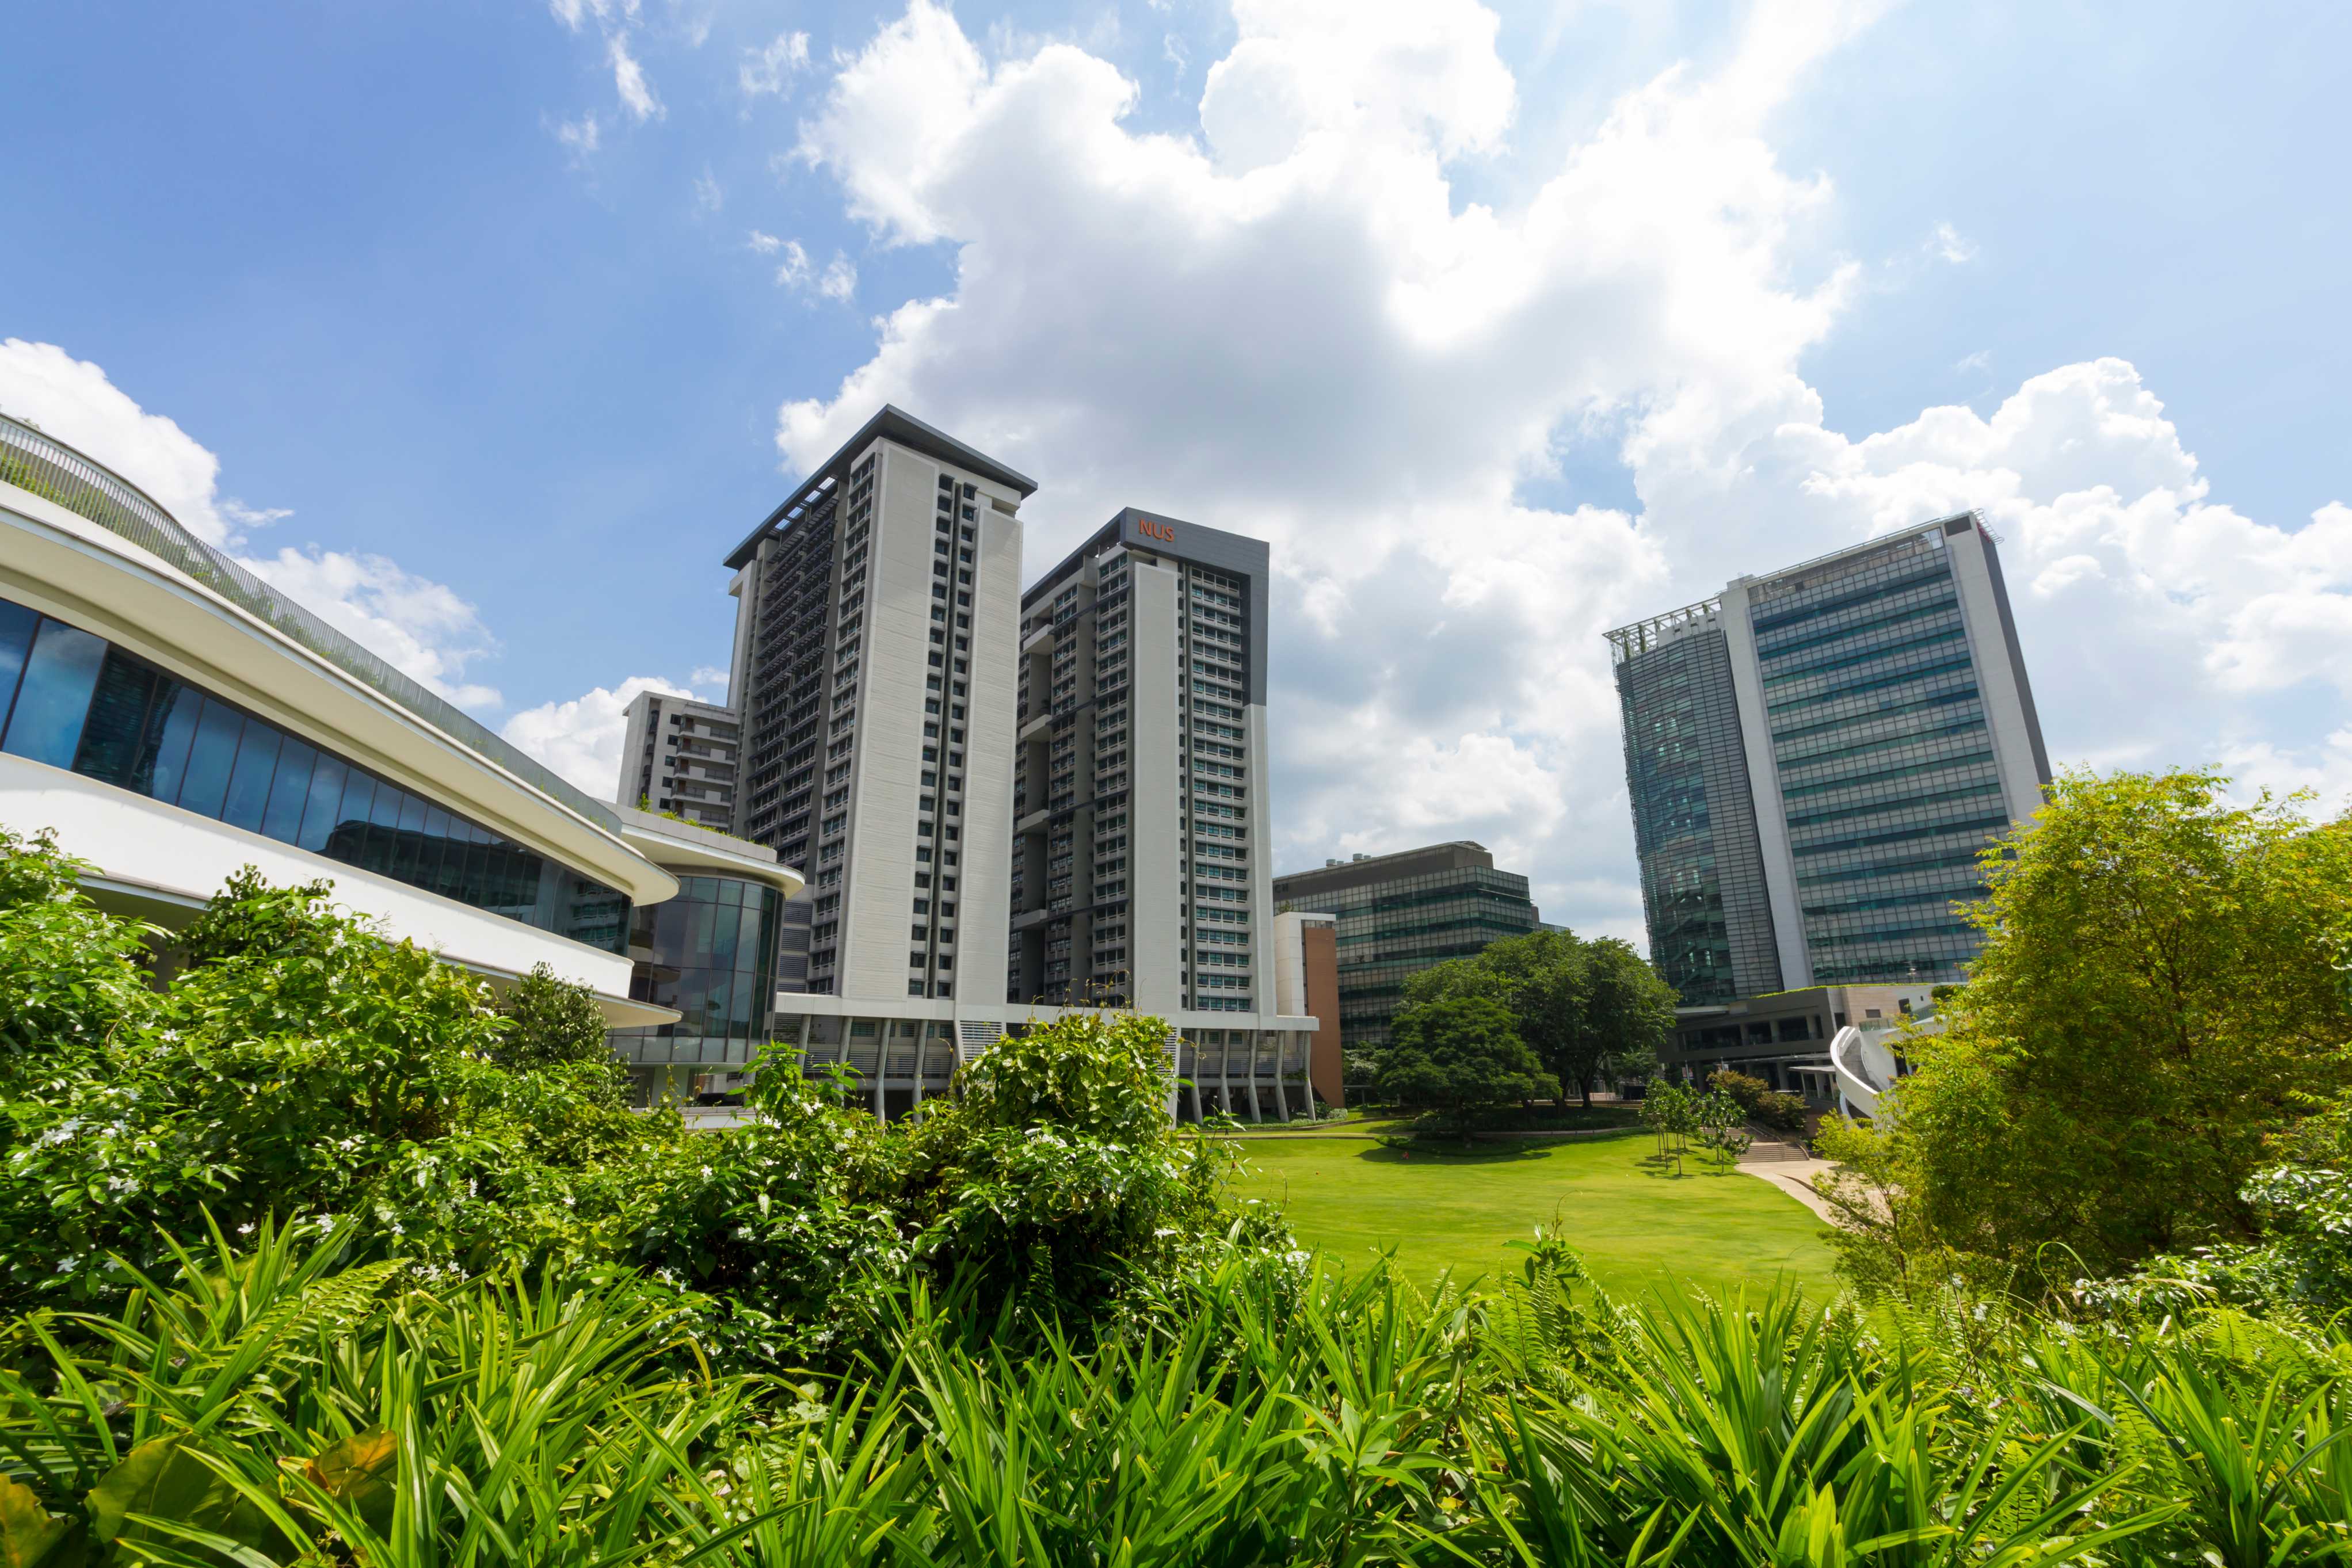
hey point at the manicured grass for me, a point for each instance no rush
(1639, 1230)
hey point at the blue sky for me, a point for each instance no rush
(1503, 327)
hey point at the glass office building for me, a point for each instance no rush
(1815, 759)
(76, 701)
(1400, 914)
(1703, 890)
(710, 954)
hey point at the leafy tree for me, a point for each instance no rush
(2158, 1000)
(1587, 1008)
(1458, 1055)
(552, 1021)
(1628, 1013)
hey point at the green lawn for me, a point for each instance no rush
(1639, 1229)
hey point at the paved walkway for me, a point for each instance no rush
(1794, 1177)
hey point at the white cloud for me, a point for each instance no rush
(1291, 323)
(708, 197)
(571, 13)
(629, 79)
(840, 279)
(580, 136)
(770, 70)
(581, 738)
(73, 401)
(421, 627)
(1980, 361)
(707, 679)
(837, 281)
(1946, 245)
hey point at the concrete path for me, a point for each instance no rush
(1794, 1177)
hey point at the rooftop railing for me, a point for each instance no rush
(33, 461)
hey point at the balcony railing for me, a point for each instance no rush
(56, 471)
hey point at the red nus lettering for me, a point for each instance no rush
(1165, 531)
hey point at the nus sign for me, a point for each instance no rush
(1164, 532)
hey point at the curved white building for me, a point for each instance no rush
(173, 719)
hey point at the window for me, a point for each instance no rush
(69, 698)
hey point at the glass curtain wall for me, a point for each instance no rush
(75, 701)
(1886, 767)
(710, 954)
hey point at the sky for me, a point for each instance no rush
(487, 328)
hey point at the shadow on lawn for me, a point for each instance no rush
(1449, 1151)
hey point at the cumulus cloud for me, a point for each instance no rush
(74, 401)
(581, 738)
(1288, 322)
(422, 627)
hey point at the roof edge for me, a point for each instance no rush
(895, 424)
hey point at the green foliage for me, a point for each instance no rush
(2158, 1001)
(1759, 1100)
(298, 1063)
(1458, 1054)
(1588, 1007)
(551, 1023)
(275, 1404)
(73, 975)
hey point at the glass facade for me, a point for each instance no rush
(1888, 774)
(1702, 890)
(710, 953)
(75, 701)
(1391, 929)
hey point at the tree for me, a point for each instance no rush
(1583, 1007)
(554, 1023)
(2158, 997)
(1457, 1055)
(1628, 1012)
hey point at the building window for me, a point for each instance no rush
(69, 698)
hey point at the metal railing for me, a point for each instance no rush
(48, 469)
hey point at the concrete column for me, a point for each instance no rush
(881, 1064)
(1281, 1082)
(922, 1060)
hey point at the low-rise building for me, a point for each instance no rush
(1397, 915)
(172, 718)
(707, 954)
(1784, 1037)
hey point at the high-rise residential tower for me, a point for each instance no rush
(1400, 914)
(1139, 871)
(1815, 757)
(680, 757)
(874, 645)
